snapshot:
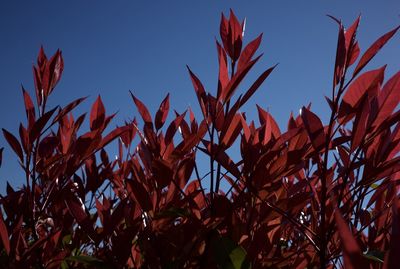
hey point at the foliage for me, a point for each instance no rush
(314, 195)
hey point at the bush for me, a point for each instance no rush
(315, 195)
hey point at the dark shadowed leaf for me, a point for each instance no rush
(88, 261)
(4, 234)
(351, 251)
(392, 259)
(228, 254)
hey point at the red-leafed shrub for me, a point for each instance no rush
(317, 195)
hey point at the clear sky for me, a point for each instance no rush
(111, 47)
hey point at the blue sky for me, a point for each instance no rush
(111, 47)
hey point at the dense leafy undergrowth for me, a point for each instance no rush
(312, 196)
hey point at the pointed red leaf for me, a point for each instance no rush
(388, 98)
(229, 135)
(52, 73)
(266, 118)
(249, 51)
(373, 50)
(236, 79)
(360, 124)
(68, 108)
(256, 85)
(340, 56)
(365, 83)
(97, 114)
(200, 91)
(162, 113)
(351, 44)
(24, 138)
(13, 142)
(29, 108)
(314, 128)
(184, 171)
(223, 77)
(39, 125)
(143, 111)
(172, 128)
(223, 31)
(113, 135)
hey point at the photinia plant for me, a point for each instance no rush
(316, 195)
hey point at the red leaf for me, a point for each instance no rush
(113, 135)
(314, 128)
(351, 44)
(266, 118)
(235, 33)
(340, 56)
(68, 108)
(256, 85)
(365, 83)
(249, 51)
(39, 125)
(388, 98)
(38, 85)
(223, 31)
(200, 92)
(4, 233)
(97, 114)
(352, 255)
(229, 135)
(24, 138)
(29, 108)
(162, 113)
(236, 79)
(13, 142)
(52, 73)
(360, 124)
(223, 77)
(373, 50)
(143, 111)
(172, 128)
(184, 171)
